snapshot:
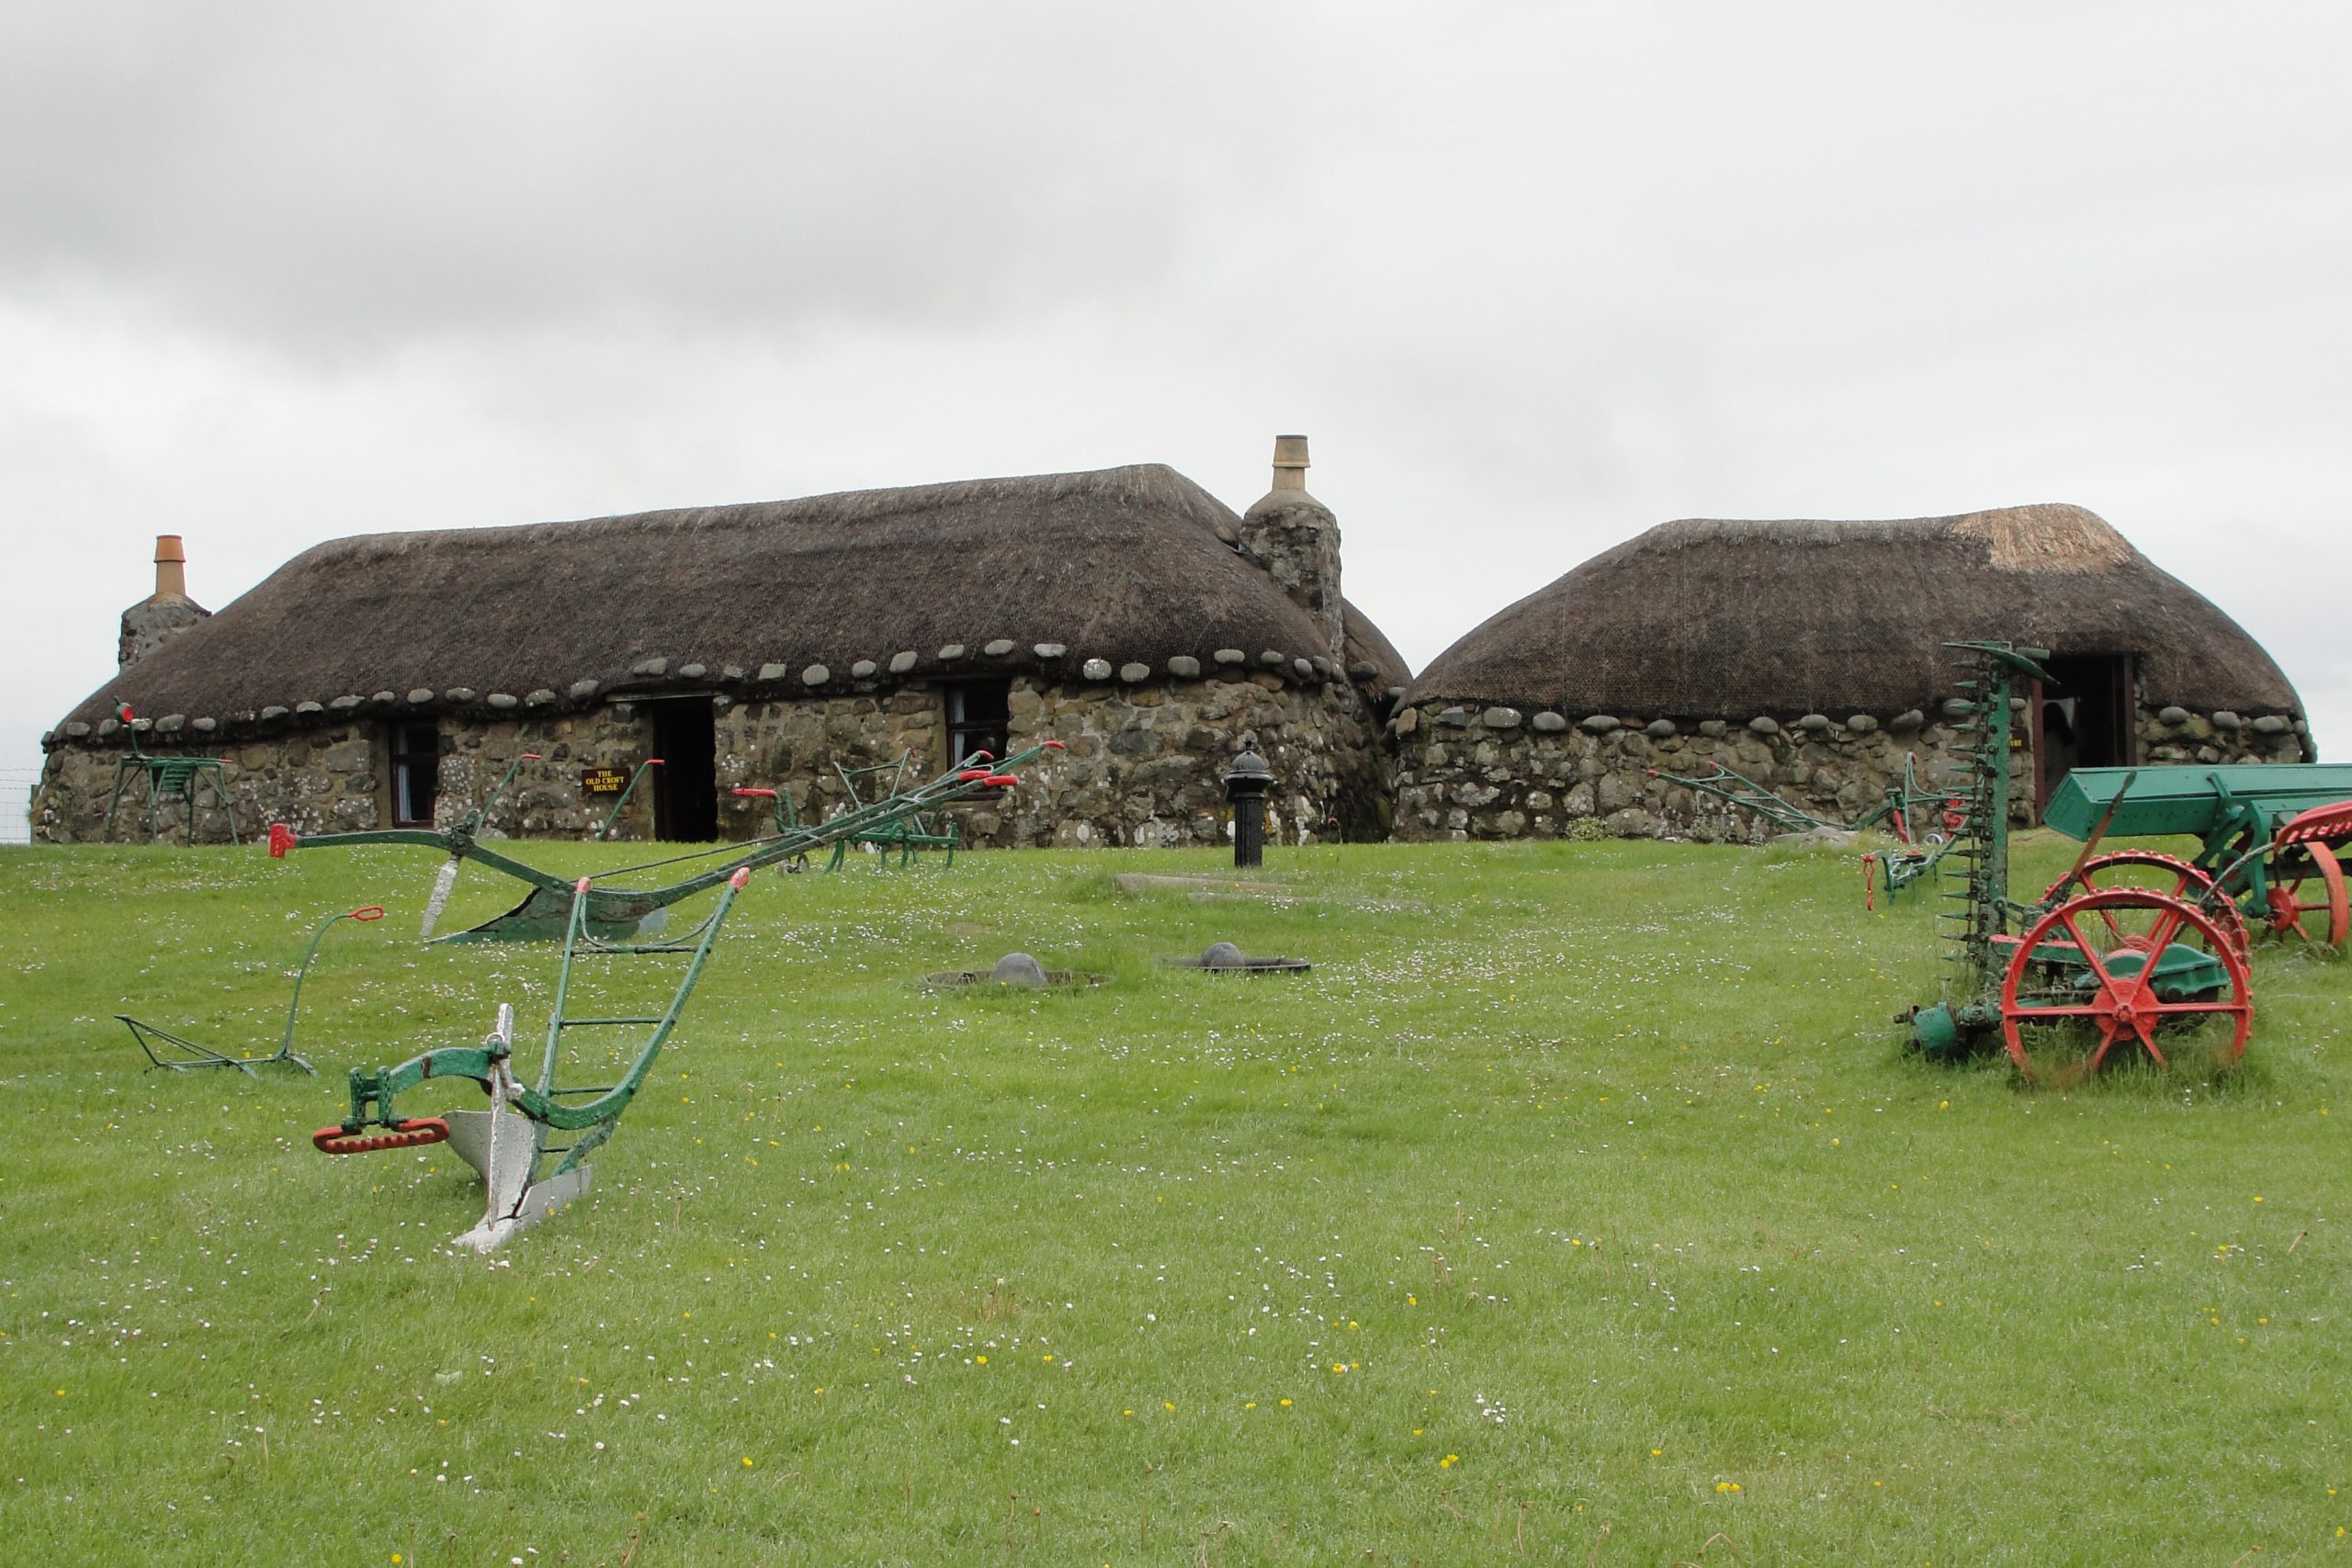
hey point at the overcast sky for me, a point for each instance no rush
(1533, 277)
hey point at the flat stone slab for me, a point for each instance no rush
(1152, 882)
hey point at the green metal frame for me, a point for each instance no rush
(170, 778)
(616, 915)
(1902, 800)
(543, 1102)
(178, 1053)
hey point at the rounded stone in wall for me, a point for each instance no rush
(1228, 656)
(2225, 719)
(1862, 724)
(271, 713)
(1550, 723)
(2269, 724)
(773, 672)
(902, 660)
(202, 727)
(504, 700)
(420, 695)
(1599, 722)
(298, 708)
(1712, 728)
(815, 675)
(999, 647)
(383, 697)
(2172, 716)
(1500, 718)
(581, 691)
(1457, 717)
(1659, 728)
(1050, 649)
(1131, 673)
(693, 671)
(455, 693)
(169, 723)
(862, 670)
(1269, 659)
(1909, 718)
(1764, 724)
(78, 730)
(1814, 723)
(347, 703)
(1096, 670)
(953, 651)
(1184, 667)
(1302, 668)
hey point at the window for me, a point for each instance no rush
(416, 773)
(979, 715)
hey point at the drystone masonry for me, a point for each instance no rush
(1497, 772)
(1143, 761)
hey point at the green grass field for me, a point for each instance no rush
(1579, 1207)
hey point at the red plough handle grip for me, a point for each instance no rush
(414, 1133)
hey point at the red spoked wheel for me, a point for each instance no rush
(413, 1134)
(2150, 872)
(2073, 993)
(2307, 896)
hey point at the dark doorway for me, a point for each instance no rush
(416, 773)
(2085, 719)
(685, 787)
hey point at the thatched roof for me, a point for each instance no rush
(1367, 644)
(1704, 619)
(1121, 564)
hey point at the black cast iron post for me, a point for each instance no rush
(1245, 787)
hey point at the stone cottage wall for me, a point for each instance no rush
(1143, 765)
(1497, 772)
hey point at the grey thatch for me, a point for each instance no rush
(1705, 618)
(1367, 644)
(1121, 564)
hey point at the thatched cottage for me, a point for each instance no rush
(389, 678)
(1808, 656)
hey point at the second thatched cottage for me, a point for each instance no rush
(390, 678)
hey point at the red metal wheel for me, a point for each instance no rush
(2072, 993)
(2307, 896)
(2147, 871)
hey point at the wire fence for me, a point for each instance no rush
(16, 804)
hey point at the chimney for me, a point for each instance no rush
(1294, 538)
(1290, 462)
(170, 566)
(165, 614)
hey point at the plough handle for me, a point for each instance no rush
(414, 1133)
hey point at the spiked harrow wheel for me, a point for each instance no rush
(2124, 967)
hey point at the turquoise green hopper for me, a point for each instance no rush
(2193, 799)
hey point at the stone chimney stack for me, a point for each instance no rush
(168, 611)
(1294, 538)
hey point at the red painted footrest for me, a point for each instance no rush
(414, 1133)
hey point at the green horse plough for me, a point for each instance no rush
(532, 1145)
(619, 917)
